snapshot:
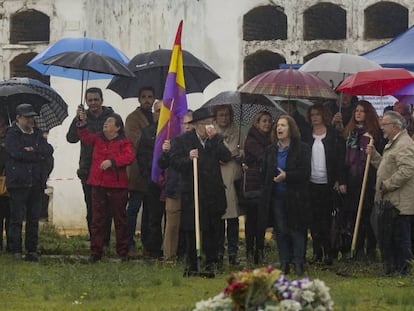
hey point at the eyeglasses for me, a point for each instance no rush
(383, 124)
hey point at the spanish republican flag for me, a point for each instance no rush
(174, 105)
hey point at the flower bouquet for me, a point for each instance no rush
(268, 290)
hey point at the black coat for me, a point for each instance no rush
(334, 146)
(95, 124)
(27, 168)
(298, 169)
(212, 198)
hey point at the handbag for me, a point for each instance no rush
(251, 185)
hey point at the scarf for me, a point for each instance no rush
(356, 145)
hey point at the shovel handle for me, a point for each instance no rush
(196, 208)
(361, 200)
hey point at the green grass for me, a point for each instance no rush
(69, 283)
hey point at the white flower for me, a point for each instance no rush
(308, 296)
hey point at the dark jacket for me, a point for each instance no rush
(298, 169)
(254, 151)
(303, 125)
(334, 146)
(172, 183)
(95, 124)
(212, 198)
(145, 152)
(119, 150)
(27, 168)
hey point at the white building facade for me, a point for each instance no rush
(237, 38)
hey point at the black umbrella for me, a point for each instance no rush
(89, 61)
(245, 106)
(50, 106)
(151, 69)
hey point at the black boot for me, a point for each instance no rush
(299, 269)
(249, 257)
(284, 267)
(259, 257)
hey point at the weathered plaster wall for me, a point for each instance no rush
(212, 31)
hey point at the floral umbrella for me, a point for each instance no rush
(288, 83)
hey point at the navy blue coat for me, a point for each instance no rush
(27, 168)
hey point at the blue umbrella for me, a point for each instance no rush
(76, 44)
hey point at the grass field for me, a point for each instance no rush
(63, 280)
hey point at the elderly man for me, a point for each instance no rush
(28, 154)
(405, 110)
(203, 143)
(395, 183)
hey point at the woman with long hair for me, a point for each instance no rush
(257, 139)
(363, 125)
(327, 171)
(286, 168)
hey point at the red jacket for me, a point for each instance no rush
(119, 150)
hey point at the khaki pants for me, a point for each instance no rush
(172, 227)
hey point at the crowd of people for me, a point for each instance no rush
(287, 173)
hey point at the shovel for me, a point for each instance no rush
(197, 223)
(361, 201)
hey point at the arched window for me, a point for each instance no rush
(316, 53)
(324, 21)
(261, 61)
(385, 20)
(265, 23)
(19, 68)
(29, 26)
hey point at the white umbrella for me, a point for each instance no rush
(335, 67)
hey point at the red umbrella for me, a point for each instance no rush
(377, 82)
(288, 83)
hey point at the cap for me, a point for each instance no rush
(25, 110)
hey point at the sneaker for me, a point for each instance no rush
(32, 257)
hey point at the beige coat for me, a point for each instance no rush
(134, 124)
(231, 171)
(396, 173)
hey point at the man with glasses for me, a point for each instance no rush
(395, 184)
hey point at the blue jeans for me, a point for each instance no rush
(290, 241)
(24, 202)
(134, 203)
(400, 252)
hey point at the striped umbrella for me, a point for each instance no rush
(288, 83)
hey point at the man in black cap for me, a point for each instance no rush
(28, 154)
(207, 146)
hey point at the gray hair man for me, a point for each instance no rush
(395, 184)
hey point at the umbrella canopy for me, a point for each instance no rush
(245, 106)
(378, 82)
(75, 44)
(50, 106)
(333, 68)
(89, 61)
(405, 94)
(151, 69)
(288, 83)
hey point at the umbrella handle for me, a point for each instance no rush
(361, 200)
(196, 207)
